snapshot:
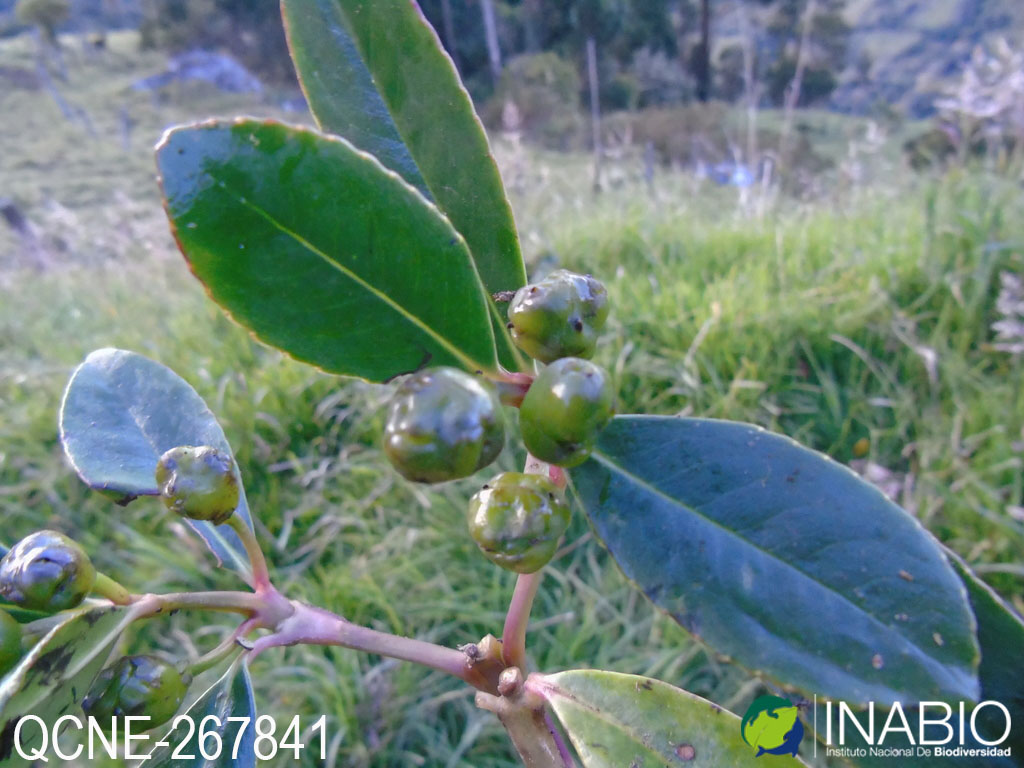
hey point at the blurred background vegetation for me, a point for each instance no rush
(808, 214)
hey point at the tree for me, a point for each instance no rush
(808, 52)
(491, 38)
(620, 28)
(702, 53)
(250, 29)
(47, 15)
(448, 28)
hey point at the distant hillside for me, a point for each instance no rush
(901, 52)
(914, 46)
(87, 15)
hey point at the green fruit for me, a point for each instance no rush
(198, 482)
(443, 424)
(137, 686)
(46, 571)
(565, 409)
(517, 520)
(10, 642)
(558, 317)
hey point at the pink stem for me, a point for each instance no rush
(512, 387)
(260, 571)
(316, 626)
(513, 636)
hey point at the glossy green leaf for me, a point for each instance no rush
(340, 89)
(231, 696)
(21, 615)
(376, 74)
(121, 412)
(322, 252)
(52, 678)
(781, 559)
(618, 721)
(1001, 636)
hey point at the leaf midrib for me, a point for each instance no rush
(354, 277)
(572, 700)
(889, 630)
(341, 18)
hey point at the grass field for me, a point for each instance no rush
(857, 321)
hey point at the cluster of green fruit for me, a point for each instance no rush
(443, 424)
(49, 572)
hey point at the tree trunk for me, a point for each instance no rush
(793, 90)
(595, 108)
(491, 37)
(531, 24)
(448, 25)
(750, 89)
(702, 63)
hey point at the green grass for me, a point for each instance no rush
(818, 319)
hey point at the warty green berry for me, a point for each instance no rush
(517, 519)
(198, 482)
(138, 686)
(565, 409)
(46, 571)
(10, 642)
(443, 424)
(560, 316)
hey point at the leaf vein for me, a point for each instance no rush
(368, 287)
(654, 490)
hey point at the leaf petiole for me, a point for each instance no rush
(110, 589)
(225, 650)
(260, 571)
(244, 603)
